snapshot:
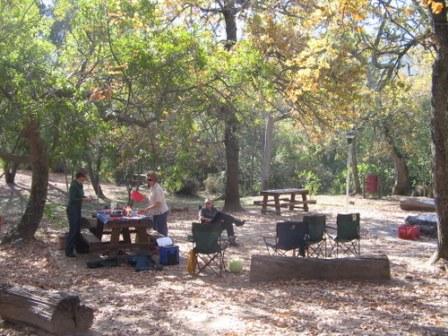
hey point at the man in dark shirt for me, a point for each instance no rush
(75, 198)
(209, 214)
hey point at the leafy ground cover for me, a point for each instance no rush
(171, 302)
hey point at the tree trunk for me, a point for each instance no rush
(267, 152)
(94, 174)
(232, 194)
(402, 185)
(10, 171)
(39, 185)
(354, 169)
(439, 127)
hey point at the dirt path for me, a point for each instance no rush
(171, 302)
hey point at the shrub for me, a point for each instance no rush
(214, 183)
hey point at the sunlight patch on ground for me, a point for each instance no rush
(203, 320)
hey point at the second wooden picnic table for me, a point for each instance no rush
(289, 202)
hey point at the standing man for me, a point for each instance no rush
(157, 204)
(75, 198)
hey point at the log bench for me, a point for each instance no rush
(56, 313)
(271, 268)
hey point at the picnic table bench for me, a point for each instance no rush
(284, 202)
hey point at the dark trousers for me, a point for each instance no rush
(160, 223)
(74, 233)
(226, 222)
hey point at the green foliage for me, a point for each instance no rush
(53, 213)
(115, 82)
(310, 181)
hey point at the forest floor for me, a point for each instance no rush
(172, 302)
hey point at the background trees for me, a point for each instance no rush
(231, 95)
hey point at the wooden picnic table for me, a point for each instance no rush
(123, 226)
(289, 202)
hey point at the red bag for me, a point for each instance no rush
(137, 196)
(410, 232)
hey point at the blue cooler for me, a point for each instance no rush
(169, 255)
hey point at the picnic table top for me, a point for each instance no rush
(107, 219)
(284, 191)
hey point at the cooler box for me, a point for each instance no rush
(169, 255)
(411, 232)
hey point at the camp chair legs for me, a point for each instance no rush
(348, 247)
(318, 250)
(215, 262)
(352, 247)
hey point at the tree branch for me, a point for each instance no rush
(13, 157)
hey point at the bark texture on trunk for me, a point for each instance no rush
(267, 152)
(232, 194)
(402, 184)
(39, 185)
(355, 174)
(94, 174)
(439, 127)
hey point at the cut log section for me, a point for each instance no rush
(417, 204)
(271, 268)
(57, 313)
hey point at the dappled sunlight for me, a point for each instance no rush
(172, 302)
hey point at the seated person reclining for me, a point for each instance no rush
(209, 214)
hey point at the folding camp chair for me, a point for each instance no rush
(316, 243)
(209, 247)
(348, 239)
(289, 237)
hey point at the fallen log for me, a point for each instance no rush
(426, 222)
(271, 268)
(418, 204)
(54, 312)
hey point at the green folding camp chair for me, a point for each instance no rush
(316, 243)
(348, 239)
(209, 247)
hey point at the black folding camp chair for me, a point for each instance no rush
(209, 247)
(290, 237)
